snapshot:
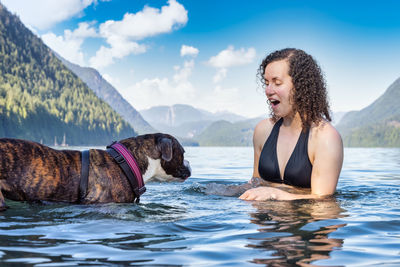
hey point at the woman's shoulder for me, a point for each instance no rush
(264, 126)
(326, 155)
(262, 131)
(324, 132)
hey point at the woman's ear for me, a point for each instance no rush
(291, 98)
(165, 147)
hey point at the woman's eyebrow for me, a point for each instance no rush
(274, 78)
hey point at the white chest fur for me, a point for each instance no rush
(155, 172)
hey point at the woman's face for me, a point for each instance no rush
(279, 87)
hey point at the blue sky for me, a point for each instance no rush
(206, 53)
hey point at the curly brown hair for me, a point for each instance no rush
(309, 95)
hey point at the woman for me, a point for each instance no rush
(297, 147)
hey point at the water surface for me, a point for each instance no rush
(178, 224)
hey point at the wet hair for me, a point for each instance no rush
(309, 95)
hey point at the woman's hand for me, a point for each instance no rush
(265, 193)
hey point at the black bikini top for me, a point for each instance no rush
(298, 168)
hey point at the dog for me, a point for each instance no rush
(30, 171)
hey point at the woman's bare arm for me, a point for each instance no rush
(261, 132)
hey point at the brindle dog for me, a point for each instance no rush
(34, 172)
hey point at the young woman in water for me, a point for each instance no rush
(297, 147)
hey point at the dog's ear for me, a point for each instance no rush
(165, 147)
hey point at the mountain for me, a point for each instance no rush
(376, 125)
(337, 117)
(187, 129)
(179, 114)
(184, 120)
(224, 133)
(110, 95)
(42, 100)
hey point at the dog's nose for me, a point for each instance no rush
(187, 165)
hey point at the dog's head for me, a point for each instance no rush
(160, 157)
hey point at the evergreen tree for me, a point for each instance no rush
(40, 99)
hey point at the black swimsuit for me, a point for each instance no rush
(298, 168)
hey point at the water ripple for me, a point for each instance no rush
(202, 222)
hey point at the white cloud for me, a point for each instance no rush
(111, 80)
(233, 99)
(183, 73)
(163, 91)
(189, 51)
(224, 98)
(148, 22)
(156, 91)
(69, 45)
(105, 55)
(43, 14)
(220, 75)
(230, 58)
(178, 89)
(122, 36)
(83, 31)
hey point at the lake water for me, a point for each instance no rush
(178, 224)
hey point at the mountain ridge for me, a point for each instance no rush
(184, 120)
(375, 125)
(42, 100)
(383, 107)
(225, 133)
(105, 91)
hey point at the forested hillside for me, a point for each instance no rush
(110, 95)
(42, 100)
(224, 133)
(376, 125)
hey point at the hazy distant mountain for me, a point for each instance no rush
(228, 116)
(42, 100)
(179, 113)
(109, 94)
(188, 129)
(224, 133)
(337, 117)
(184, 120)
(376, 125)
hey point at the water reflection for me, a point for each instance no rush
(301, 231)
(294, 232)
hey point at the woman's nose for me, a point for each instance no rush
(269, 89)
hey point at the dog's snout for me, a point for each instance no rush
(188, 171)
(187, 165)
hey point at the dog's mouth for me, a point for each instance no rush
(188, 169)
(178, 173)
(184, 178)
(184, 173)
(171, 179)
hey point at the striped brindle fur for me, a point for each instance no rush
(30, 171)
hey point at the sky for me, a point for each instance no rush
(206, 53)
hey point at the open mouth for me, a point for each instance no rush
(274, 102)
